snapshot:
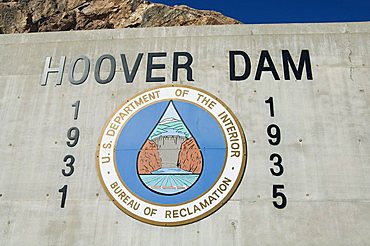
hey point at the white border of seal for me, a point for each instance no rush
(178, 214)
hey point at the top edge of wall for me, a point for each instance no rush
(190, 31)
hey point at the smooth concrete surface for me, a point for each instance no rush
(324, 124)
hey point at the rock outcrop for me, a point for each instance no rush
(190, 157)
(149, 159)
(18, 16)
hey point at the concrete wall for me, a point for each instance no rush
(324, 123)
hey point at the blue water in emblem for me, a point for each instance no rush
(169, 180)
(169, 171)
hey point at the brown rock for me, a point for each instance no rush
(149, 159)
(60, 15)
(162, 15)
(190, 157)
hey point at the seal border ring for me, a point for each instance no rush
(228, 195)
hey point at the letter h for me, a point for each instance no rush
(47, 69)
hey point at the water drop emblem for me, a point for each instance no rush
(170, 160)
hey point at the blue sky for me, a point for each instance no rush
(284, 11)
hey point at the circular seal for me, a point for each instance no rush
(171, 155)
